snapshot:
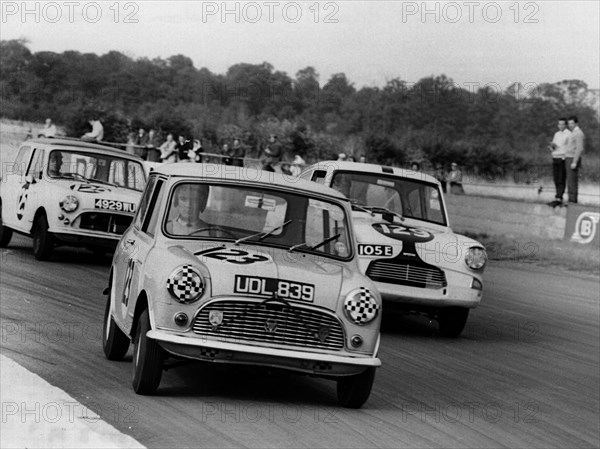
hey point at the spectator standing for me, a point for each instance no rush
(273, 153)
(49, 129)
(183, 147)
(97, 132)
(573, 155)
(195, 153)
(342, 157)
(168, 150)
(558, 147)
(141, 142)
(130, 146)
(415, 166)
(455, 178)
(362, 159)
(152, 150)
(440, 175)
(237, 153)
(297, 165)
(225, 152)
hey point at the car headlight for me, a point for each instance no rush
(361, 306)
(69, 204)
(185, 284)
(476, 258)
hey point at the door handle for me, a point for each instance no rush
(130, 241)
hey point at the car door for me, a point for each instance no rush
(134, 247)
(13, 180)
(32, 191)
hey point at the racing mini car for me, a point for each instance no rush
(240, 266)
(69, 192)
(405, 243)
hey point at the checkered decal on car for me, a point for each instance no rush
(362, 307)
(185, 284)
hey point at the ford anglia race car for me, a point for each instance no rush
(69, 192)
(405, 243)
(233, 265)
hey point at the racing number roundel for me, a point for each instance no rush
(404, 233)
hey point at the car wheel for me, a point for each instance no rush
(114, 341)
(353, 391)
(452, 320)
(43, 241)
(147, 359)
(5, 233)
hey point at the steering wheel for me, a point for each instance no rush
(217, 228)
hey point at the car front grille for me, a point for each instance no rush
(270, 322)
(105, 222)
(413, 275)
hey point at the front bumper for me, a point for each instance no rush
(460, 292)
(224, 352)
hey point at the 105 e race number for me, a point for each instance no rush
(268, 286)
(114, 205)
(374, 250)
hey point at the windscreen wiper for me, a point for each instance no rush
(263, 235)
(317, 246)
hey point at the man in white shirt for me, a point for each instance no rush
(49, 129)
(97, 132)
(573, 157)
(558, 147)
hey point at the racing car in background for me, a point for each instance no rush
(405, 243)
(69, 192)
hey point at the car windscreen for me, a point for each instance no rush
(410, 198)
(256, 215)
(102, 168)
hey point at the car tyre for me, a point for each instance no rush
(353, 391)
(147, 359)
(452, 320)
(5, 233)
(114, 341)
(43, 241)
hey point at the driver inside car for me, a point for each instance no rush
(55, 163)
(188, 203)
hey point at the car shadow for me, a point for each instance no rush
(246, 383)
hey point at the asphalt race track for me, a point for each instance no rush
(525, 372)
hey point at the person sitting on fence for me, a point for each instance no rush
(168, 152)
(97, 132)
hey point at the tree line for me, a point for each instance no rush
(489, 130)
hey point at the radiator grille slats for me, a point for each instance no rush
(405, 273)
(271, 323)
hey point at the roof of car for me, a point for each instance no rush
(82, 144)
(228, 172)
(371, 168)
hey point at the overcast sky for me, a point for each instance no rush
(472, 42)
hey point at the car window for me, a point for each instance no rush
(21, 160)
(319, 176)
(106, 169)
(410, 198)
(153, 213)
(36, 166)
(144, 203)
(226, 212)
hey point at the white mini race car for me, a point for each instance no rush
(405, 243)
(69, 192)
(234, 265)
